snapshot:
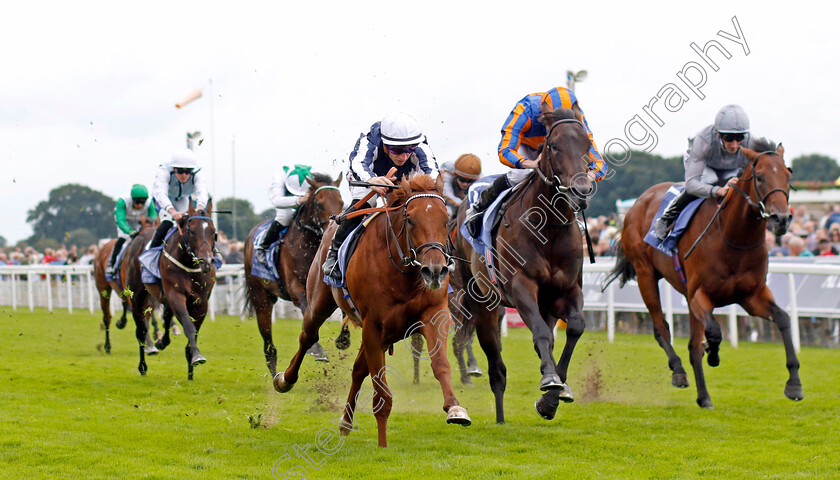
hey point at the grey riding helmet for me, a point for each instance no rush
(732, 119)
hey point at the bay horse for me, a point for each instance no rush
(295, 256)
(729, 264)
(397, 279)
(188, 275)
(538, 256)
(104, 289)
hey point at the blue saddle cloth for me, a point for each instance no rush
(345, 251)
(150, 260)
(668, 246)
(485, 238)
(111, 277)
(260, 270)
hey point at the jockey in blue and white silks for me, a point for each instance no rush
(395, 142)
(176, 183)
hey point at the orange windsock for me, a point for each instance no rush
(189, 98)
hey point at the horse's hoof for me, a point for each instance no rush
(474, 371)
(318, 352)
(121, 323)
(342, 341)
(151, 350)
(458, 415)
(280, 383)
(794, 392)
(161, 344)
(198, 359)
(714, 359)
(545, 409)
(705, 403)
(108, 348)
(679, 380)
(551, 381)
(465, 380)
(566, 395)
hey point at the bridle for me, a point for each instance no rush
(413, 254)
(317, 225)
(185, 246)
(760, 204)
(555, 181)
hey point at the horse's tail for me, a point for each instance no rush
(247, 306)
(623, 269)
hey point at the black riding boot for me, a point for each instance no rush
(344, 228)
(663, 225)
(113, 260)
(160, 233)
(271, 236)
(488, 195)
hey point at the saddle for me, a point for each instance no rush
(346, 251)
(668, 246)
(267, 272)
(115, 277)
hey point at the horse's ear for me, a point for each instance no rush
(209, 208)
(311, 182)
(780, 149)
(337, 181)
(191, 208)
(439, 183)
(544, 108)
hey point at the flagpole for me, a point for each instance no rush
(213, 151)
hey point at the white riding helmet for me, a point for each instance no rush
(184, 158)
(732, 119)
(296, 182)
(400, 128)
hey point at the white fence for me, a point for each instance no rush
(804, 287)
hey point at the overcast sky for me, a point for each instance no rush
(88, 90)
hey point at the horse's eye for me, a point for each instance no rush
(409, 221)
(759, 178)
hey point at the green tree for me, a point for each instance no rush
(246, 219)
(81, 238)
(268, 214)
(2, 241)
(630, 180)
(68, 208)
(814, 167)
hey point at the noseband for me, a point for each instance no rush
(411, 259)
(760, 205)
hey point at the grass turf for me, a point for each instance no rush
(67, 410)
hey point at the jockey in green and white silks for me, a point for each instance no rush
(288, 191)
(177, 182)
(130, 212)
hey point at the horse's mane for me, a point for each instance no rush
(763, 145)
(320, 178)
(416, 183)
(558, 114)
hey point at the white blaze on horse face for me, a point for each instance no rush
(428, 207)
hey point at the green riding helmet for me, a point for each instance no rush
(139, 192)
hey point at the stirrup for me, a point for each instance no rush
(330, 265)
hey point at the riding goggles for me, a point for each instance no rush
(732, 137)
(182, 170)
(400, 149)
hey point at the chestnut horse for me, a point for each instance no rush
(295, 256)
(397, 279)
(538, 258)
(729, 264)
(104, 288)
(188, 275)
